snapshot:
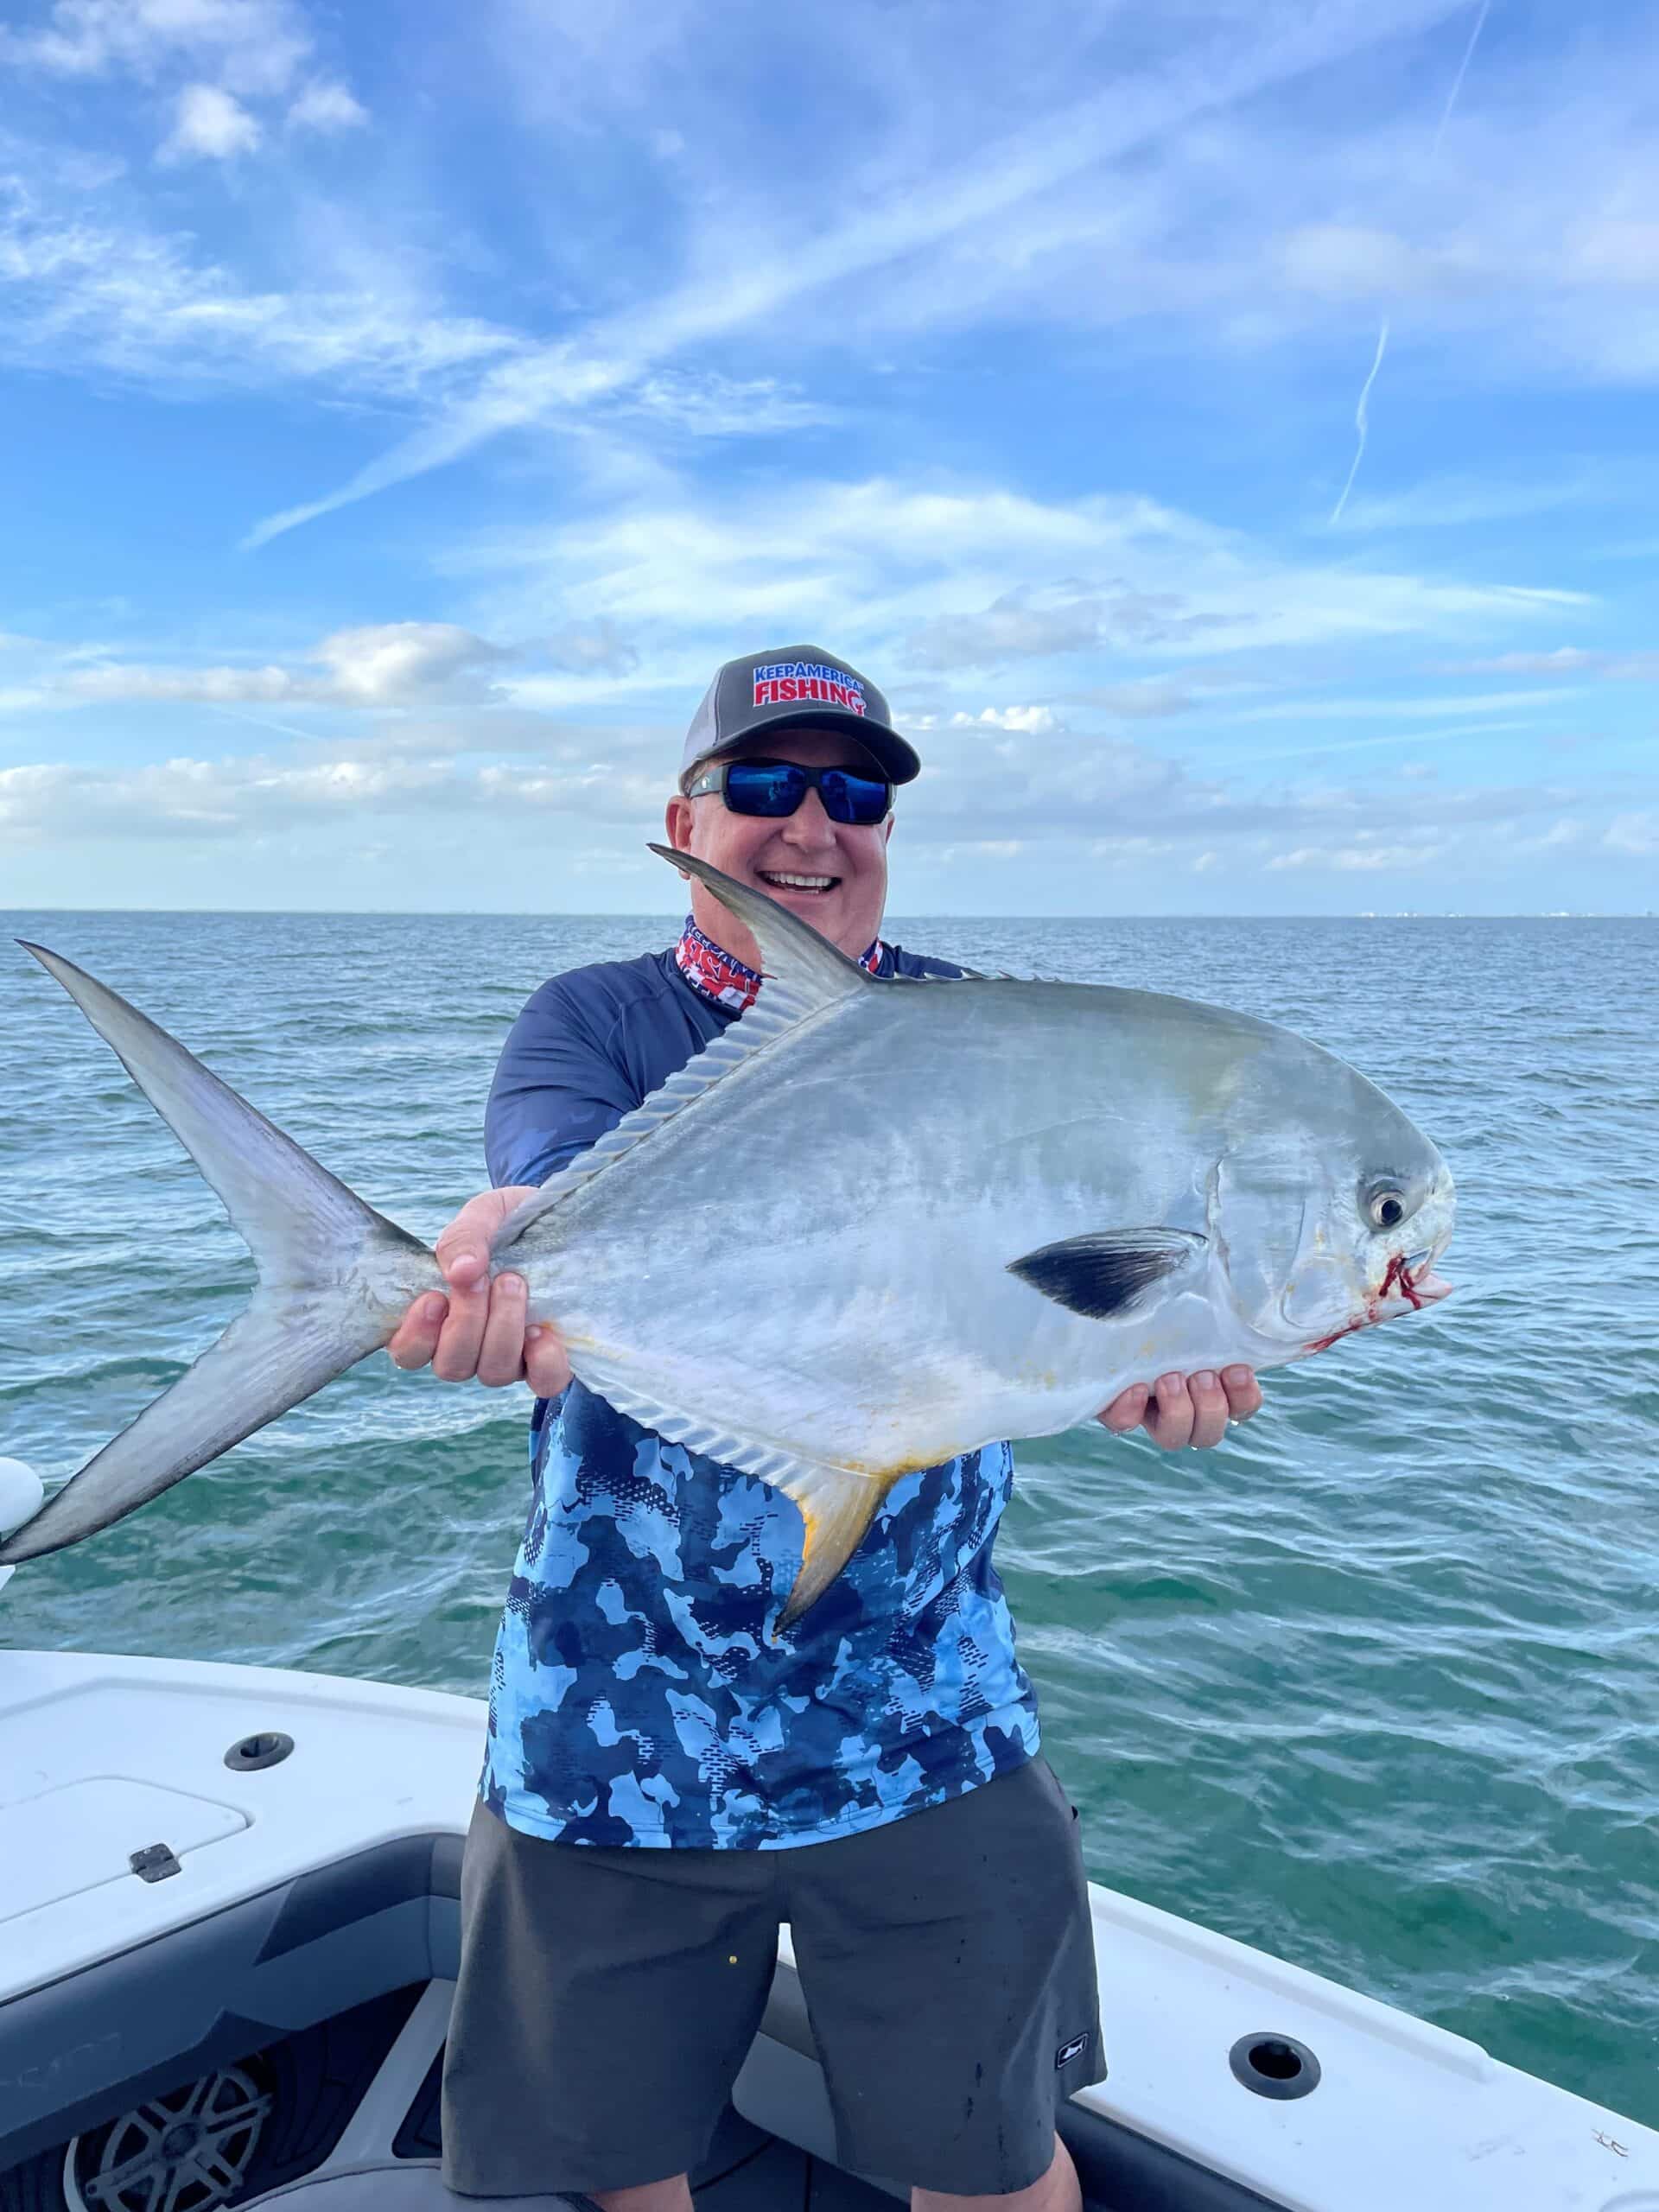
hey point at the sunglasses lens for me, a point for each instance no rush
(773, 787)
(777, 787)
(848, 797)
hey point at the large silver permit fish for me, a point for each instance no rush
(930, 1214)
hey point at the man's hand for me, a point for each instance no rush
(479, 1329)
(1181, 1409)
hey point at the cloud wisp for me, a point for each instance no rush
(618, 352)
(919, 573)
(212, 125)
(382, 665)
(1565, 660)
(223, 55)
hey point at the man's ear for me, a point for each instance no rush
(676, 821)
(887, 830)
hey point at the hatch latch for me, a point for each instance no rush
(154, 1862)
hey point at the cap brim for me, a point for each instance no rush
(899, 762)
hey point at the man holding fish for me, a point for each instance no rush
(810, 1251)
(713, 1759)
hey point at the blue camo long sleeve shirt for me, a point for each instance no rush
(637, 1696)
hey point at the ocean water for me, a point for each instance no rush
(1374, 1685)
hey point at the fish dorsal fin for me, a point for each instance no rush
(995, 975)
(982, 976)
(805, 975)
(813, 972)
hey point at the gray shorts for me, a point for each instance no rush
(607, 1997)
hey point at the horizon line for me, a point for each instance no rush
(643, 914)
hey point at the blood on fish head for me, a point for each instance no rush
(1395, 1274)
(1332, 1211)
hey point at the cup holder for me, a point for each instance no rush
(1274, 2065)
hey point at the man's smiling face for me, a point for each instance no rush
(833, 874)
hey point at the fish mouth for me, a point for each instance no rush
(1411, 1278)
(1408, 1284)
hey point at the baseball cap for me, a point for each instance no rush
(801, 687)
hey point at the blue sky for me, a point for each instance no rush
(406, 409)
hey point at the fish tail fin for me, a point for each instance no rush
(334, 1279)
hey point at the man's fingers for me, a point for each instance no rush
(456, 1357)
(501, 1352)
(1127, 1410)
(1169, 1418)
(1182, 1409)
(547, 1364)
(474, 1330)
(1244, 1392)
(416, 1335)
(463, 1249)
(1209, 1409)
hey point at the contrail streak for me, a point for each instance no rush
(1362, 419)
(1361, 423)
(1463, 71)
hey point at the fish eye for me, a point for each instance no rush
(1386, 1209)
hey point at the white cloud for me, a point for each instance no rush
(253, 46)
(715, 406)
(504, 790)
(1615, 251)
(1130, 849)
(1036, 622)
(597, 647)
(1032, 720)
(387, 663)
(1340, 261)
(1634, 833)
(244, 797)
(915, 576)
(1446, 706)
(141, 304)
(229, 53)
(1347, 859)
(1565, 660)
(1454, 502)
(191, 798)
(1152, 698)
(210, 125)
(326, 106)
(402, 660)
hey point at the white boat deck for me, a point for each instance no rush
(100, 1757)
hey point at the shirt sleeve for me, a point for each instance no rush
(557, 1087)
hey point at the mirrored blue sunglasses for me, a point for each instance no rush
(777, 788)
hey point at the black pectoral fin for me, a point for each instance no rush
(1099, 1275)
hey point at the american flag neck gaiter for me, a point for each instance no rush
(711, 970)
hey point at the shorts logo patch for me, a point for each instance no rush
(1068, 2051)
(778, 682)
